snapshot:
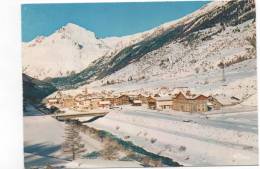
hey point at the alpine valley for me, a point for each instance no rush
(182, 93)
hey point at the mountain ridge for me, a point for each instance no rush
(210, 16)
(75, 46)
(48, 70)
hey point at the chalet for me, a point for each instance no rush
(111, 99)
(59, 95)
(137, 102)
(225, 100)
(56, 100)
(79, 100)
(68, 102)
(82, 102)
(105, 104)
(122, 100)
(164, 102)
(86, 104)
(142, 98)
(79, 97)
(132, 97)
(214, 103)
(53, 101)
(190, 103)
(156, 95)
(94, 102)
(151, 102)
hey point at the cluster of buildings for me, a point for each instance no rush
(185, 102)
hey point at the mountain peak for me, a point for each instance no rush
(73, 26)
(73, 29)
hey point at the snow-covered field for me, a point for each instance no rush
(220, 137)
(224, 137)
(42, 141)
(43, 137)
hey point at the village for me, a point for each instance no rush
(166, 122)
(183, 101)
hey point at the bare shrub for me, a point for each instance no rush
(130, 154)
(206, 82)
(49, 167)
(182, 148)
(109, 153)
(153, 140)
(156, 163)
(139, 133)
(145, 161)
(111, 150)
(126, 137)
(248, 147)
(197, 70)
(252, 41)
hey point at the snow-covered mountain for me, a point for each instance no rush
(194, 64)
(190, 56)
(72, 49)
(69, 50)
(219, 30)
(186, 55)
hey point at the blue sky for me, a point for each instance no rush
(105, 19)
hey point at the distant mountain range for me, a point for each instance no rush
(70, 50)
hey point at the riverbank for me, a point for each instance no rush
(142, 137)
(189, 139)
(43, 146)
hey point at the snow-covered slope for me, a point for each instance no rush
(69, 50)
(188, 54)
(179, 47)
(72, 48)
(194, 65)
(182, 53)
(199, 142)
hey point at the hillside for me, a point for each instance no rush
(35, 90)
(176, 46)
(194, 65)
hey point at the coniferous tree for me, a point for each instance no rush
(73, 142)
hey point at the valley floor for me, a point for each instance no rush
(224, 137)
(43, 137)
